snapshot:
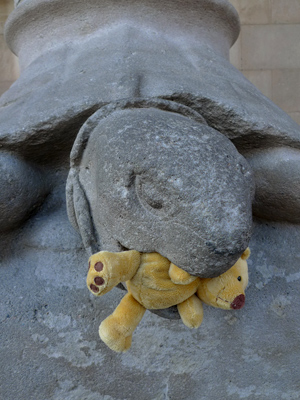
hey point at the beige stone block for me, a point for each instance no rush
(295, 116)
(262, 80)
(286, 89)
(255, 11)
(270, 46)
(4, 86)
(236, 54)
(3, 19)
(286, 12)
(6, 7)
(9, 66)
(236, 4)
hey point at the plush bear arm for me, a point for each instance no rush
(179, 276)
(191, 312)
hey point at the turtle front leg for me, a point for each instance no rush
(106, 270)
(191, 312)
(117, 329)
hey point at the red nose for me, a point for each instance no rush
(238, 302)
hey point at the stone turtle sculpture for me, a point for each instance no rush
(150, 175)
(183, 59)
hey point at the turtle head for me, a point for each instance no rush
(157, 181)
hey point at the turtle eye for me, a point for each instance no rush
(239, 278)
(150, 195)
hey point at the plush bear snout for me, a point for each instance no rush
(238, 302)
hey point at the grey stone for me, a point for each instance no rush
(22, 191)
(87, 18)
(277, 182)
(167, 61)
(43, 111)
(131, 63)
(157, 181)
(50, 349)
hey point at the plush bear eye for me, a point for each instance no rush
(239, 278)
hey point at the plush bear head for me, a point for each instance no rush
(227, 291)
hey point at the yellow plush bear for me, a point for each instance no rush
(153, 282)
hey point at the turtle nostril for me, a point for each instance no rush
(238, 302)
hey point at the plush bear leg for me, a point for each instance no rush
(191, 312)
(106, 270)
(117, 329)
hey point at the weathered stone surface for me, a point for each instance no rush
(157, 181)
(190, 20)
(277, 180)
(130, 63)
(40, 116)
(22, 191)
(50, 349)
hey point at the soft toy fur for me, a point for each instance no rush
(153, 282)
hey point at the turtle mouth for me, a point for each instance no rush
(121, 247)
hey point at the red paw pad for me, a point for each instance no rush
(98, 266)
(94, 288)
(98, 280)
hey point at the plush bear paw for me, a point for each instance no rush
(106, 270)
(113, 336)
(98, 274)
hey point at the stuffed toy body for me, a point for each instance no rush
(153, 282)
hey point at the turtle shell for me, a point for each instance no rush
(45, 108)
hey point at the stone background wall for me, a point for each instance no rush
(9, 70)
(267, 51)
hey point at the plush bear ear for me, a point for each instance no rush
(246, 254)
